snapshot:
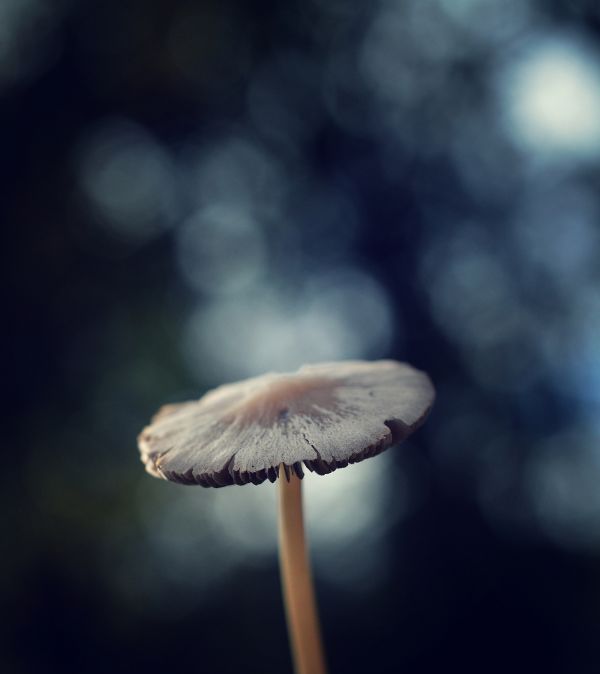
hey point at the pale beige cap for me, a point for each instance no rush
(324, 416)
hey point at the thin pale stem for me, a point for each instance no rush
(296, 578)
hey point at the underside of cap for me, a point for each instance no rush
(322, 417)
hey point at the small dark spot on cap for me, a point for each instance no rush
(313, 417)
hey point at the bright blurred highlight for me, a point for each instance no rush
(340, 315)
(551, 95)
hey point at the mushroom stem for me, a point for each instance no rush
(296, 578)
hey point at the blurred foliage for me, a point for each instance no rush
(196, 192)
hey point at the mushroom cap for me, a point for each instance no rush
(324, 416)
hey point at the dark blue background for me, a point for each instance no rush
(384, 158)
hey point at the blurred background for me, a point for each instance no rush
(196, 192)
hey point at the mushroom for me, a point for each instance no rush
(324, 416)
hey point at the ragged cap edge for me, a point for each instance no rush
(397, 432)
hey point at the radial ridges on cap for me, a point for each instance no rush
(324, 416)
